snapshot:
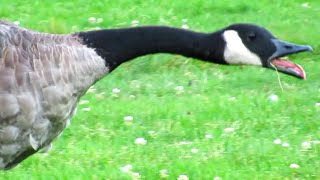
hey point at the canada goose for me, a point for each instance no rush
(42, 76)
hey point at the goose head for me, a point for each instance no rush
(254, 45)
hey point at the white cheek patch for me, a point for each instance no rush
(236, 52)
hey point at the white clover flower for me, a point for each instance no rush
(179, 89)
(126, 168)
(184, 143)
(285, 144)
(132, 96)
(277, 141)
(86, 109)
(116, 90)
(294, 166)
(306, 145)
(183, 177)
(273, 98)
(194, 150)
(128, 118)
(16, 23)
(217, 178)
(140, 141)
(164, 173)
(135, 23)
(305, 5)
(92, 20)
(208, 136)
(229, 130)
(185, 26)
(317, 104)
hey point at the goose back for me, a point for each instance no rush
(42, 77)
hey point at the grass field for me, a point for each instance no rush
(176, 116)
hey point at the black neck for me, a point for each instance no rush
(120, 45)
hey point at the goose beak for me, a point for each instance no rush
(284, 65)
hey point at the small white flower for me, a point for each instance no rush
(184, 26)
(135, 175)
(306, 145)
(128, 118)
(183, 177)
(184, 143)
(135, 23)
(194, 150)
(140, 141)
(229, 130)
(285, 144)
(179, 89)
(99, 20)
(217, 178)
(132, 96)
(208, 136)
(294, 166)
(305, 5)
(126, 168)
(164, 173)
(84, 102)
(277, 141)
(86, 109)
(273, 98)
(317, 104)
(92, 20)
(232, 98)
(16, 23)
(116, 90)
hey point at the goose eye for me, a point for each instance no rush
(251, 36)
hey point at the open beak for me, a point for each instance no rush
(284, 65)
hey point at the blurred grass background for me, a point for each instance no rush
(201, 120)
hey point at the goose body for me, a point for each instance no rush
(42, 76)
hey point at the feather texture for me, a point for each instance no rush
(42, 77)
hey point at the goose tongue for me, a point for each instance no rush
(289, 67)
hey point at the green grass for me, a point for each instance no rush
(99, 142)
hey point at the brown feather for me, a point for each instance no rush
(42, 77)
